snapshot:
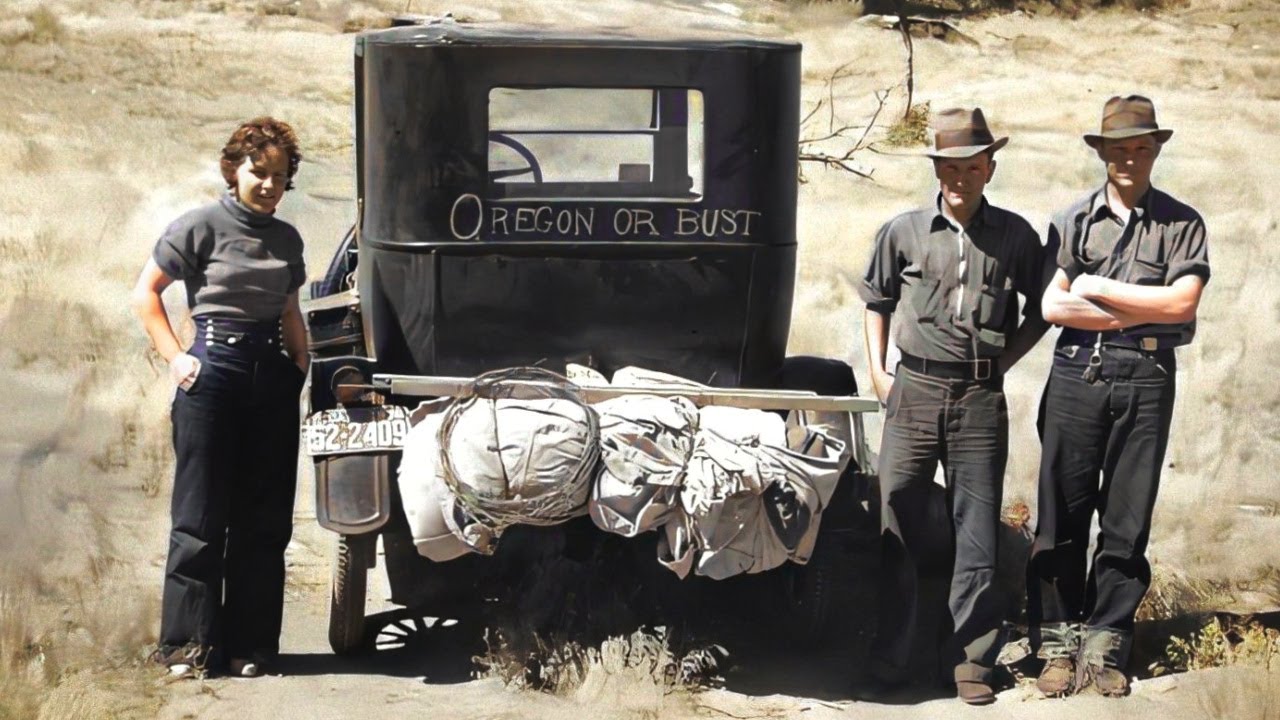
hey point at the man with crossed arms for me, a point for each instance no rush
(1131, 265)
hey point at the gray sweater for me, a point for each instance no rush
(235, 262)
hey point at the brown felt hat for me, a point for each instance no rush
(960, 133)
(1128, 117)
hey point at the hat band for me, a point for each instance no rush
(965, 137)
(1128, 120)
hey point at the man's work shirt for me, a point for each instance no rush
(1163, 240)
(953, 291)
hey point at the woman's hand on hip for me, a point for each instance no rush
(183, 370)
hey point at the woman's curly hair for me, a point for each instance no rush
(251, 139)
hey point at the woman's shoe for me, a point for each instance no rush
(180, 671)
(182, 663)
(245, 667)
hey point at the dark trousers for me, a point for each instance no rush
(1116, 427)
(964, 425)
(235, 438)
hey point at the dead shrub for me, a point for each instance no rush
(645, 658)
(1226, 642)
(360, 20)
(1173, 593)
(912, 129)
(286, 8)
(46, 27)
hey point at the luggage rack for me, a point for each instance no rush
(761, 399)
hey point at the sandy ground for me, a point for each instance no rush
(110, 119)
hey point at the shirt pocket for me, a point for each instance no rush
(924, 294)
(1149, 265)
(990, 315)
(993, 303)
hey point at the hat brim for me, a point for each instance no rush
(961, 152)
(1094, 140)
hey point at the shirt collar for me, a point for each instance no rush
(1098, 207)
(984, 217)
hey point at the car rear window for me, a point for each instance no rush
(596, 143)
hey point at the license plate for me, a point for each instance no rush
(343, 430)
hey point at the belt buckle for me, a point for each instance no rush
(982, 369)
(1150, 343)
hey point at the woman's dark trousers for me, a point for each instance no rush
(235, 437)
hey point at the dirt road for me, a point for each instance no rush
(430, 676)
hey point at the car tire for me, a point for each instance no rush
(349, 580)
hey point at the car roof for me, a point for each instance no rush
(428, 30)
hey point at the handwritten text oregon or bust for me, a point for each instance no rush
(581, 221)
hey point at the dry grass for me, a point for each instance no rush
(81, 661)
(103, 151)
(564, 668)
(21, 675)
(40, 26)
(1224, 642)
(912, 129)
(1071, 8)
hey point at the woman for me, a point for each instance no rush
(235, 410)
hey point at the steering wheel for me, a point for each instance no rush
(520, 149)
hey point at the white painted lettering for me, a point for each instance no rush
(644, 217)
(729, 222)
(498, 223)
(622, 221)
(709, 228)
(542, 224)
(686, 221)
(524, 219)
(746, 225)
(564, 222)
(584, 220)
(453, 216)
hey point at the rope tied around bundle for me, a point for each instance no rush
(522, 449)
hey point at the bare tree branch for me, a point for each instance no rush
(836, 131)
(844, 162)
(882, 96)
(812, 112)
(831, 95)
(905, 26)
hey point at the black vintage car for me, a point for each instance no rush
(533, 198)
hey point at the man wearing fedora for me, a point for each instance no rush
(946, 277)
(1131, 265)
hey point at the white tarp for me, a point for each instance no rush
(515, 458)
(732, 490)
(729, 492)
(424, 493)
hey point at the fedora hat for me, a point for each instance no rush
(1128, 117)
(960, 133)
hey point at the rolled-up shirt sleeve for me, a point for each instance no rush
(882, 282)
(179, 252)
(1189, 252)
